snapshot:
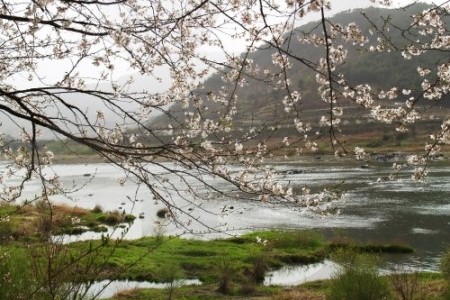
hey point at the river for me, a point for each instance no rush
(416, 213)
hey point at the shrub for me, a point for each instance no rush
(406, 283)
(259, 267)
(248, 286)
(171, 274)
(71, 230)
(254, 274)
(163, 213)
(358, 278)
(97, 209)
(99, 228)
(92, 223)
(111, 219)
(225, 269)
(77, 230)
(129, 218)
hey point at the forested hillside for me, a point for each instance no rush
(258, 103)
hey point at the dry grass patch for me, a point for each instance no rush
(299, 294)
(127, 294)
(434, 289)
(66, 210)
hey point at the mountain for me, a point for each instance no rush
(259, 103)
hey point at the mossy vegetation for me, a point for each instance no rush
(358, 277)
(370, 246)
(250, 255)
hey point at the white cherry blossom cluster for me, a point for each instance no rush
(390, 94)
(349, 33)
(291, 100)
(360, 154)
(207, 139)
(399, 115)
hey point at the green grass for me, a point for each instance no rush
(249, 255)
(203, 259)
(241, 260)
(358, 277)
(141, 259)
(371, 247)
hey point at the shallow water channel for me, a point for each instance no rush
(415, 213)
(286, 276)
(107, 289)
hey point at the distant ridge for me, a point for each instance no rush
(257, 103)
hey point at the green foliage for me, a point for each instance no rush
(304, 239)
(259, 267)
(6, 210)
(358, 278)
(16, 281)
(171, 274)
(44, 271)
(72, 230)
(162, 213)
(372, 247)
(200, 259)
(129, 218)
(99, 228)
(97, 209)
(226, 269)
(289, 242)
(114, 218)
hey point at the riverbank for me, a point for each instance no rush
(235, 266)
(430, 286)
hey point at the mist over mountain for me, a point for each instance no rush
(259, 103)
(90, 105)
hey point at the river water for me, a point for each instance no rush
(416, 213)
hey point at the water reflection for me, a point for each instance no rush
(300, 274)
(106, 288)
(295, 275)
